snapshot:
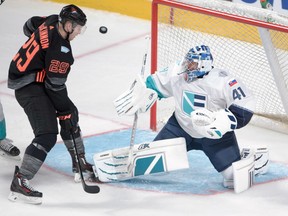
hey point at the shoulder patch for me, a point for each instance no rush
(64, 49)
(232, 82)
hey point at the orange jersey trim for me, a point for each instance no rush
(40, 76)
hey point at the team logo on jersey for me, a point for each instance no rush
(65, 49)
(191, 100)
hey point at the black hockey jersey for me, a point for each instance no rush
(46, 57)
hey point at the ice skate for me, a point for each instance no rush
(8, 150)
(21, 191)
(86, 168)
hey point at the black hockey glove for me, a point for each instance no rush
(69, 120)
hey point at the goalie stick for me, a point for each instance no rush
(87, 188)
(134, 127)
(282, 118)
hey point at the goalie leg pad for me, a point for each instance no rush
(261, 158)
(243, 173)
(261, 161)
(147, 158)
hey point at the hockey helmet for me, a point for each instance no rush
(73, 13)
(204, 59)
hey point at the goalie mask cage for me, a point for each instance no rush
(249, 42)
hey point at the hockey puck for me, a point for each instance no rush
(103, 29)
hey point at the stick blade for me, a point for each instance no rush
(93, 189)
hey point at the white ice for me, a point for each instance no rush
(105, 65)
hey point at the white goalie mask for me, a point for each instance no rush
(197, 63)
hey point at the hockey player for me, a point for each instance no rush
(38, 73)
(210, 104)
(6, 146)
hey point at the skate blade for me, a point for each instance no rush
(8, 156)
(17, 197)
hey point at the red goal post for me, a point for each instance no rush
(249, 42)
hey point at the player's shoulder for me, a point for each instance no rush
(221, 73)
(226, 78)
(223, 77)
(51, 20)
(218, 75)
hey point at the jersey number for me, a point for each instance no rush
(238, 93)
(31, 47)
(58, 67)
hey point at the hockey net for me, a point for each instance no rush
(251, 43)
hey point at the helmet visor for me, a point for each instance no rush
(189, 64)
(83, 29)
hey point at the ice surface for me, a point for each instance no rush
(105, 65)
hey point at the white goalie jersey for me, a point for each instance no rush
(215, 91)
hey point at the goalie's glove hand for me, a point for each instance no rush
(213, 125)
(69, 120)
(137, 98)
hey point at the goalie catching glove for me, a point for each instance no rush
(137, 98)
(213, 125)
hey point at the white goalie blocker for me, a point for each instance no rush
(147, 158)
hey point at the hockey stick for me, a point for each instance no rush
(87, 188)
(134, 127)
(281, 118)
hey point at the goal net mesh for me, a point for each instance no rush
(236, 46)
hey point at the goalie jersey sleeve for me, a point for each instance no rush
(240, 101)
(162, 80)
(44, 58)
(217, 90)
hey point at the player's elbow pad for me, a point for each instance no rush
(242, 115)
